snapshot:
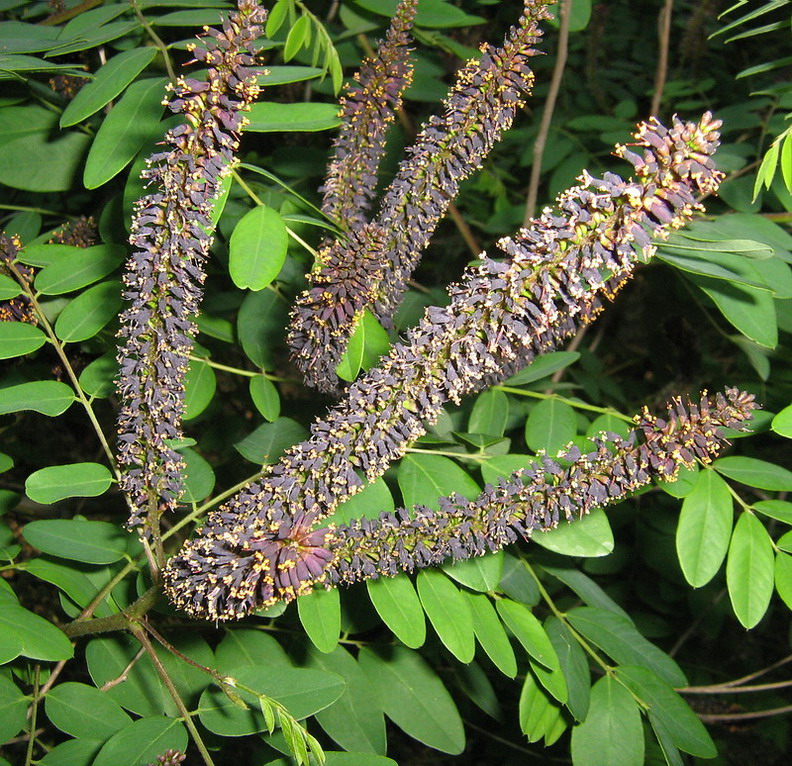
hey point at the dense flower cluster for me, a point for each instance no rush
(481, 105)
(500, 316)
(18, 309)
(170, 758)
(170, 235)
(81, 232)
(367, 110)
(537, 498)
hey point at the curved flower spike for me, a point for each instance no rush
(500, 317)
(170, 234)
(370, 269)
(367, 110)
(536, 499)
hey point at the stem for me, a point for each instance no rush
(297, 238)
(664, 36)
(709, 718)
(121, 621)
(238, 178)
(69, 13)
(561, 616)
(163, 49)
(141, 636)
(68, 367)
(42, 210)
(33, 715)
(56, 671)
(570, 402)
(240, 371)
(564, 14)
(726, 689)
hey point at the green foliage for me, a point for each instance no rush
(579, 642)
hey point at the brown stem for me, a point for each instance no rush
(564, 13)
(721, 689)
(664, 37)
(712, 717)
(141, 636)
(122, 676)
(69, 13)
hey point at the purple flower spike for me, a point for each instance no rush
(537, 499)
(171, 239)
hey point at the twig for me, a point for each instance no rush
(33, 715)
(564, 13)
(664, 37)
(712, 717)
(729, 685)
(156, 39)
(464, 229)
(721, 689)
(141, 636)
(124, 673)
(56, 671)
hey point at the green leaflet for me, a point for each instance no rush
(425, 478)
(491, 634)
(84, 711)
(755, 473)
(303, 692)
(574, 665)
(108, 82)
(448, 612)
(551, 425)
(266, 398)
(142, 741)
(589, 536)
(398, 605)
(49, 397)
(687, 732)
(490, 413)
(245, 646)
(124, 131)
(611, 735)
(77, 267)
(27, 634)
(414, 698)
(89, 312)
(57, 482)
(320, 615)
(271, 117)
(355, 721)
(93, 542)
(270, 440)
(13, 709)
(617, 636)
(528, 631)
(257, 249)
(539, 715)
(199, 478)
(481, 573)
(18, 339)
(200, 384)
(749, 570)
(704, 530)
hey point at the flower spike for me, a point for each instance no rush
(367, 111)
(537, 499)
(170, 235)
